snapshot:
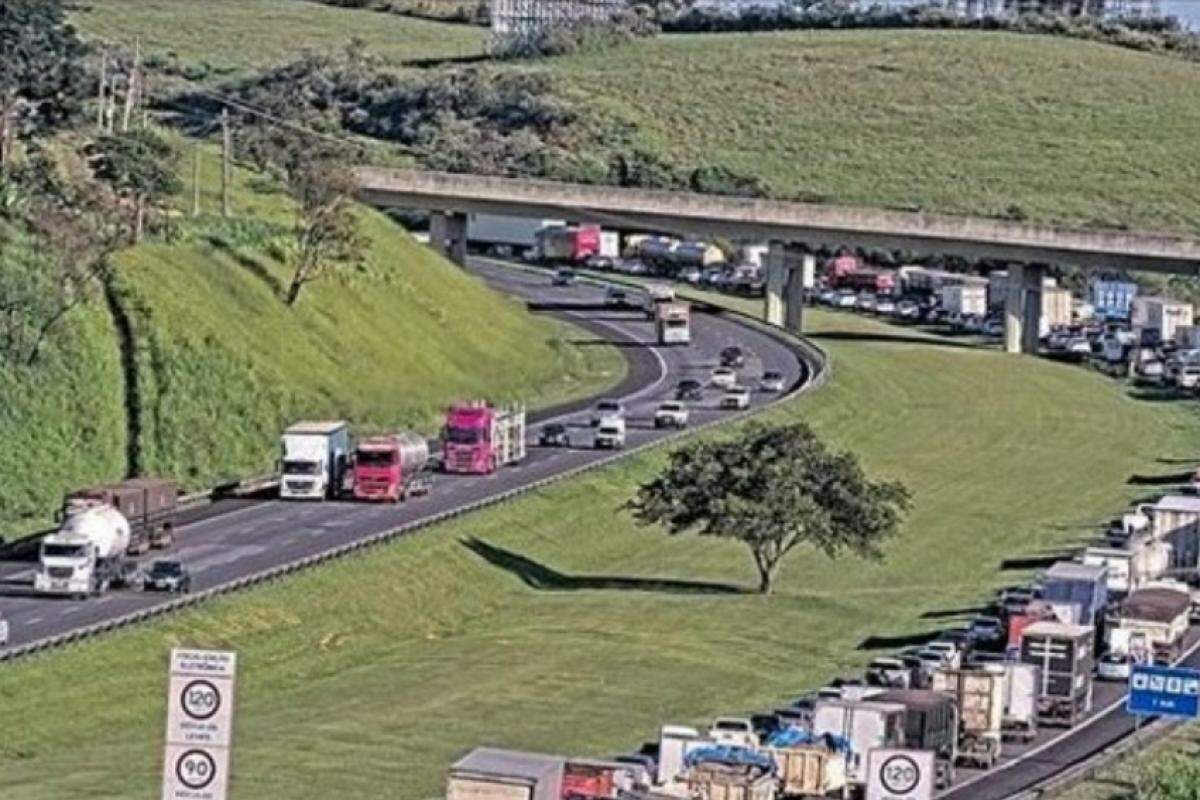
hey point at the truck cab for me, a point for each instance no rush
(86, 555)
(314, 457)
(384, 467)
(479, 438)
(673, 323)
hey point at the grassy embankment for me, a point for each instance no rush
(564, 633)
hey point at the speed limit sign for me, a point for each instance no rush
(900, 775)
(199, 725)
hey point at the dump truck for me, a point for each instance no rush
(491, 774)
(673, 323)
(865, 725)
(808, 766)
(979, 694)
(479, 438)
(930, 723)
(149, 505)
(315, 457)
(87, 554)
(724, 772)
(1065, 660)
(389, 467)
(1157, 618)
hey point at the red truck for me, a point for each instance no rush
(478, 438)
(389, 467)
(570, 244)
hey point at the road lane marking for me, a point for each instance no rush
(33, 620)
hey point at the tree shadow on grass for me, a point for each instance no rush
(898, 642)
(892, 338)
(251, 265)
(1170, 479)
(544, 578)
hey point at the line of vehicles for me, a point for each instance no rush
(1026, 662)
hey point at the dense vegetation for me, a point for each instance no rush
(554, 623)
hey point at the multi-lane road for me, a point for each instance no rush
(237, 538)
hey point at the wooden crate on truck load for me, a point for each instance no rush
(488, 773)
(711, 781)
(1064, 657)
(809, 770)
(930, 723)
(980, 698)
(148, 505)
(1159, 617)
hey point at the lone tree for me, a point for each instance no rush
(774, 489)
(327, 233)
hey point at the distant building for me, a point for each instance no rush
(517, 25)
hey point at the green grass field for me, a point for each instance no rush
(234, 36)
(1117, 781)
(367, 677)
(961, 122)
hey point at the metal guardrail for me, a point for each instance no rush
(817, 367)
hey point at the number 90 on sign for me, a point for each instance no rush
(195, 769)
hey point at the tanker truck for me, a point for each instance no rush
(86, 555)
(390, 467)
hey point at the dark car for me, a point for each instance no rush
(564, 277)
(689, 390)
(168, 576)
(554, 434)
(733, 357)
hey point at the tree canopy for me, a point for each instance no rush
(774, 489)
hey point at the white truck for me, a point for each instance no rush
(865, 724)
(657, 294)
(673, 323)
(1141, 560)
(86, 555)
(315, 456)
(1021, 682)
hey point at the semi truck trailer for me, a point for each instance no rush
(315, 456)
(490, 774)
(389, 467)
(86, 555)
(479, 438)
(673, 323)
(1065, 660)
(148, 504)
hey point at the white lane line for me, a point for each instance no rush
(71, 610)
(33, 620)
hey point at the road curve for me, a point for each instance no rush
(234, 540)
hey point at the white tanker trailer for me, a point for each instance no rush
(86, 555)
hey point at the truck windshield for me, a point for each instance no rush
(677, 323)
(375, 458)
(464, 435)
(301, 467)
(63, 550)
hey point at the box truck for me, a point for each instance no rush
(865, 724)
(389, 467)
(931, 722)
(979, 694)
(1157, 618)
(673, 323)
(1065, 660)
(479, 438)
(315, 455)
(1021, 684)
(491, 774)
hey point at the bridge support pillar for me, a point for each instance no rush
(776, 283)
(801, 277)
(448, 236)
(1023, 308)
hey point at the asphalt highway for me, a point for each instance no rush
(236, 538)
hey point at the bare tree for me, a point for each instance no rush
(327, 231)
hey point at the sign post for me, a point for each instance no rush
(199, 725)
(900, 774)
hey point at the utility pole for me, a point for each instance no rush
(103, 84)
(226, 147)
(132, 85)
(195, 180)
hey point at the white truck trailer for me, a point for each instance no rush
(673, 323)
(500, 231)
(491, 774)
(315, 456)
(86, 555)
(865, 724)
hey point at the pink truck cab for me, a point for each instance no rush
(478, 437)
(385, 467)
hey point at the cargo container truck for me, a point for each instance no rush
(865, 724)
(518, 233)
(931, 722)
(673, 323)
(479, 438)
(567, 244)
(730, 773)
(149, 506)
(86, 555)
(389, 467)
(1021, 683)
(979, 694)
(491, 774)
(1078, 593)
(315, 456)
(1065, 658)
(1142, 560)
(1157, 618)
(656, 294)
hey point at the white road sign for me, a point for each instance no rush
(900, 775)
(199, 725)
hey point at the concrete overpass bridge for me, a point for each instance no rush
(794, 230)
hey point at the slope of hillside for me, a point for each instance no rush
(223, 363)
(545, 623)
(999, 124)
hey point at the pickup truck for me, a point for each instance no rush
(671, 415)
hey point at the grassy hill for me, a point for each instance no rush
(1000, 124)
(222, 38)
(523, 638)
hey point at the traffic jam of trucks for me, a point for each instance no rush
(968, 697)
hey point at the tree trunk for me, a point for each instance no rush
(293, 292)
(139, 219)
(765, 581)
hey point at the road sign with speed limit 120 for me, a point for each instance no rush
(199, 725)
(900, 775)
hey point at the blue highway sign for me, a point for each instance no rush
(1164, 692)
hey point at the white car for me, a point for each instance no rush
(1079, 346)
(885, 306)
(1114, 667)
(723, 378)
(736, 397)
(610, 434)
(889, 672)
(607, 409)
(772, 381)
(671, 414)
(949, 652)
(865, 302)
(846, 300)
(3, 632)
